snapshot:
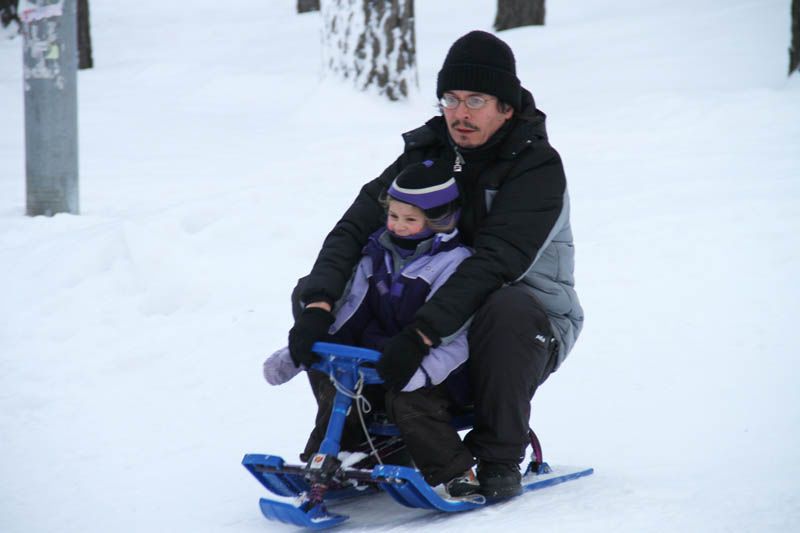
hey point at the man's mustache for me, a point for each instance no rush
(464, 124)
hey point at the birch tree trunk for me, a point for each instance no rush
(372, 43)
(516, 13)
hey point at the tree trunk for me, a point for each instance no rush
(84, 37)
(516, 13)
(8, 14)
(372, 43)
(794, 50)
(304, 6)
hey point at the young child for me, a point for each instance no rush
(402, 265)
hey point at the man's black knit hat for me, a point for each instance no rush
(481, 62)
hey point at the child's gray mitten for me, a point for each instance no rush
(279, 367)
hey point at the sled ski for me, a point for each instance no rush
(301, 492)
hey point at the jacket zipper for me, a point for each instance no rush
(459, 162)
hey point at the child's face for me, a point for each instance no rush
(404, 219)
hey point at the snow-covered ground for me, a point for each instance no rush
(214, 157)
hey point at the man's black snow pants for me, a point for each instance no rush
(511, 352)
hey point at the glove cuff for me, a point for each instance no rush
(319, 314)
(413, 335)
(318, 297)
(425, 329)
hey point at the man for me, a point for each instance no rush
(515, 294)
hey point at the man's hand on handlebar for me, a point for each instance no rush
(311, 326)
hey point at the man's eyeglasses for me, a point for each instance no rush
(449, 101)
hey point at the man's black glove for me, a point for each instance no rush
(311, 326)
(401, 357)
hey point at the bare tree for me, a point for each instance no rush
(516, 13)
(794, 50)
(372, 43)
(304, 6)
(84, 37)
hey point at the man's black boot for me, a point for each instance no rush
(499, 480)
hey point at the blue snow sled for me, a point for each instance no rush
(301, 492)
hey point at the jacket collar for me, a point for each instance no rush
(380, 242)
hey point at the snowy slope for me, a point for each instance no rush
(214, 156)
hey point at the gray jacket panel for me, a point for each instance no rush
(551, 280)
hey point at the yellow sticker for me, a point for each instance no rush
(53, 52)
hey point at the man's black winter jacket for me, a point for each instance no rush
(515, 215)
